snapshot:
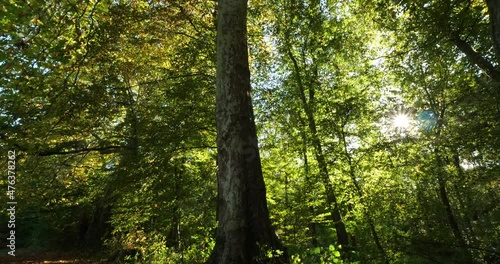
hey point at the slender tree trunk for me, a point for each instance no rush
(174, 237)
(244, 233)
(342, 237)
(461, 197)
(371, 222)
(98, 226)
(312, 224)
(443, 195)
(452, 222)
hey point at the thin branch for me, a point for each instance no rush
(108, 149)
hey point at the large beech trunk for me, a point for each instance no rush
(244, 233)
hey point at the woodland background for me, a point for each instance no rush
(110, 107)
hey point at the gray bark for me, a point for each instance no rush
(244, 232)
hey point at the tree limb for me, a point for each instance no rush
(475, 57)
(494, 14)
(103, 150)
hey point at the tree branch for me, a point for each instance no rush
(475, 57)
(103, 150)
(494, 14)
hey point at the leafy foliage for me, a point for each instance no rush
(110, 107)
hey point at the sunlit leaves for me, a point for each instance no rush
(115, 99)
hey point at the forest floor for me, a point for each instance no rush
(27, 256)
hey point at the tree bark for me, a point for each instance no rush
(312, 224)
(174, 237)
(443, 194)
(97, 226)
(476, 58)
(494, 13)
(357, 186)
(452, 221)
(244, 233)
(342, 237)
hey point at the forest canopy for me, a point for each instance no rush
(378, 128)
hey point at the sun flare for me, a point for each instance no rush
(401, 121)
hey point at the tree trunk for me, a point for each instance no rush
(174, 237)
(452, 222)
(476, 58)
(494, 13)
(357, 186)
(312, 225)
(98, 226)
(473, 56)
(244, 233)
(342, 237)
(443, 195)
